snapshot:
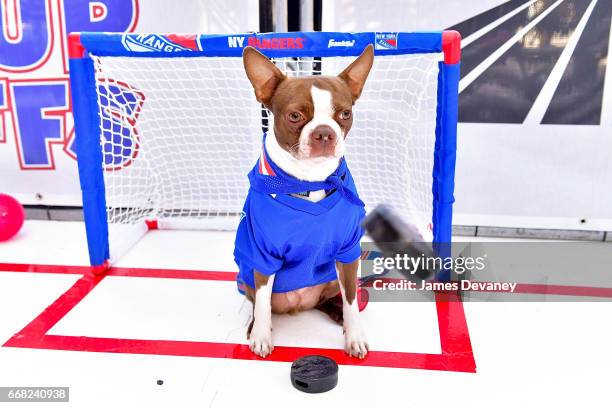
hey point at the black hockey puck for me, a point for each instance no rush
(314, 374)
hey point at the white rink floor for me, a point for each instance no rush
(527, 354)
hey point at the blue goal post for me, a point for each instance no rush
(83, 46)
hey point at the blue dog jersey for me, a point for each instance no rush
(293, 238)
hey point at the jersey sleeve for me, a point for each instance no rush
(253, 247)
(351, 249)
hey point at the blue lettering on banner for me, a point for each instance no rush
(36, 128)
(29, 43)
(100, 15)
(69, 145)
(39, 107)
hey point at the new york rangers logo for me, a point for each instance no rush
(160, 43)
(121, 105)
(386, 41)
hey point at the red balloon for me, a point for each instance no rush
(11, 217)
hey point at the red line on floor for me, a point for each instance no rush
(563, 290)
(37, 268)
(172, 274)
(454, 336)
(444, 361)
(121, 271)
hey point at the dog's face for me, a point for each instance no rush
(312, 115)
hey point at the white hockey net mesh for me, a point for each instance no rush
(179, 136)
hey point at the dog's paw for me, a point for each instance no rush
(260, 342)
(355, 343)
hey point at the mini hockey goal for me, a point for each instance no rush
(167, 126)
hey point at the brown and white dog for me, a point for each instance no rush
(312, 117)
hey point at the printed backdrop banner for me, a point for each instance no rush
(37, 157)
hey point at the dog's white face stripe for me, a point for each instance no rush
(323, 115)
(322, 101)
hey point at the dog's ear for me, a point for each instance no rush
(262, 73)
(356, 74)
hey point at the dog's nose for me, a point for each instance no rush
(323, 134)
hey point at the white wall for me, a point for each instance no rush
(399, 15)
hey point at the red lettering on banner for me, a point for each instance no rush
(276, 43)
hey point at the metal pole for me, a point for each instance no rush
(280, 16)
(306, 15)
(266, 16)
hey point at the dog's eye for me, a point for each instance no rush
(294, 117)
(345, 114)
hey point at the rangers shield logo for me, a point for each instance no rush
(121, 105)
(160, 43)
(386, 41)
